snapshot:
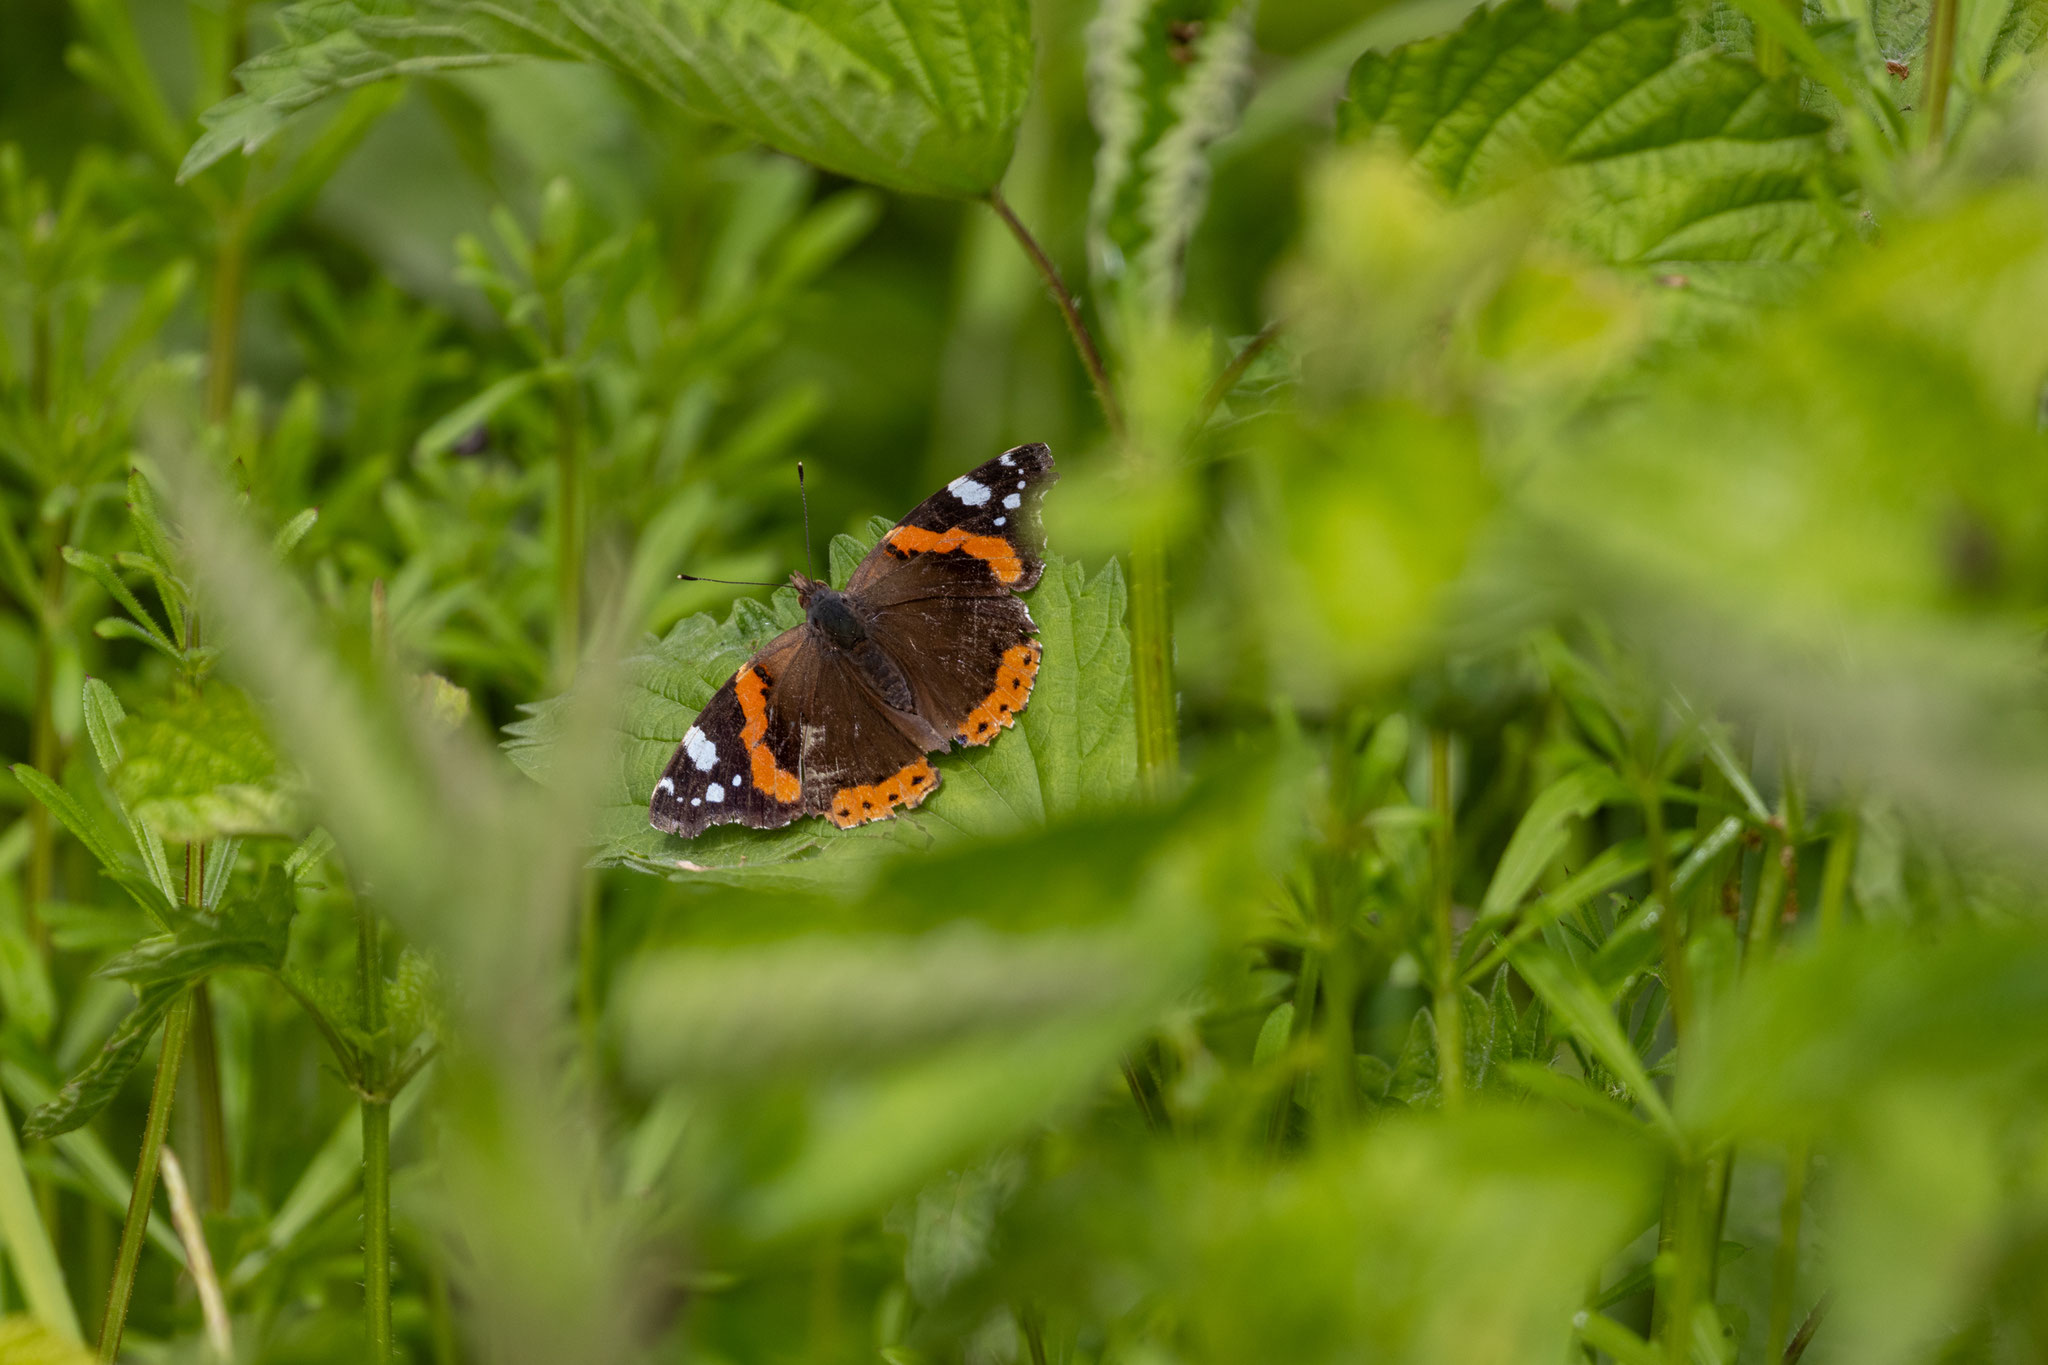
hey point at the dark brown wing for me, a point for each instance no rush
(985, 521)
(857, 758)
(738, 762)
(969, 655)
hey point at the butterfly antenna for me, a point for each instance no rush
(730, 582)
(805, 499)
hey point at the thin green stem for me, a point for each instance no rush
(1836, 872)
(568, 532)
(1450, 1005)
(377, 1226)
(1940, 59)
(376, 1109)
(129, 1253)
(1070, 309)
(1779, 860)
(1152, 668)
(1670, 915)
(1785, 1263)
(44, 750)
(1686, 1209)
(1232, 372)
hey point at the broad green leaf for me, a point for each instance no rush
(1073, 750)
(923, 98)
(1690, 165)
(1164, 83)
(199, 766)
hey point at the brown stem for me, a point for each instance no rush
(1941, 56)
(1804, 1336)
(1084, 340)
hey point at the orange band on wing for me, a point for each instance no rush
(1014, 679)
(857, 805)
(751, 687)
(1000, 554)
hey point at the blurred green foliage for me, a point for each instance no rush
(1525, 845)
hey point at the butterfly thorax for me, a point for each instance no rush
(829, 613)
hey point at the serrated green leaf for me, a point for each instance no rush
(1689, 163)
(1164, 82)
(1073, 749)
(85, 1094)
(199, 766)
(923, 98)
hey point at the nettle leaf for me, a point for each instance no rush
(1164, 79)
(198, 767)
(925, 98)
(85, 1094)
(1691, 164)
(1074, 748)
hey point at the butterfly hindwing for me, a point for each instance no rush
(738, 762)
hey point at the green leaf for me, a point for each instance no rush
(453, 426)
(1690, 164)
(103, 716)
(924, 98)
(85, 1094)
(1164, 82)
(250, 933)
(72, 816)
(99, 571)
(199, 766)
(1074, 748)
(1577, 1004)
(1542, 834)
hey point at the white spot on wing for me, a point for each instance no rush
(714, 793)
(1004, 460)
(968, 491)
(1020, 483)
(696, 800)
(1001, 520)
(701, 750)
(1013, 501)
(667, 784)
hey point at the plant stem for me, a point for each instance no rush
(1084, 341)
(1152, 668)
(568, 533)
(1450, 1006)
(376, 1108)
(1836, 872)
(176, 1024)
(32, 1256)
(1232, 372)
(1670, 915)
(1785, 1264)
(1940, 58)
(44, 754)
(224, 326)
(213, 1132)
(1804, 1336)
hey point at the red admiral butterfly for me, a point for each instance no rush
(929, 646)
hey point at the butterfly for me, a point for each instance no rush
(929, 646)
